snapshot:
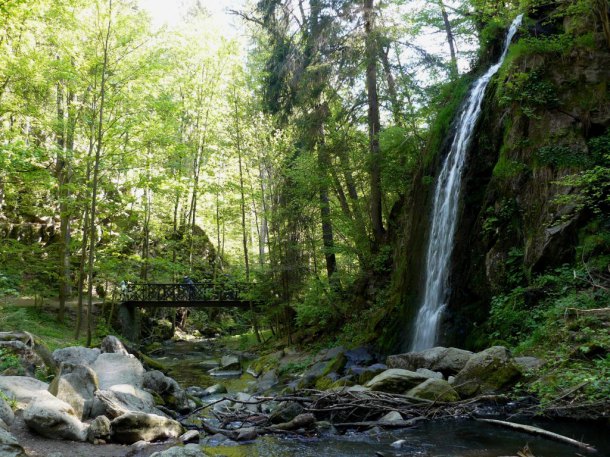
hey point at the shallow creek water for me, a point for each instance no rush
(458, 438)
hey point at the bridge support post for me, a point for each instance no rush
(130, 321)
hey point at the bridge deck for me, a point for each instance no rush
(206, 294)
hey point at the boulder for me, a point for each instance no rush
(230, 363)
(434, 389)
(9, 446)
(3, 425)
(191, 436)
(370, 372)
(136, 426)
(99, 429)
(54, 418)
(267, 381)
(392, 416)
(76, 385)
(112, 345)
(488, 371)
(121, 399)
(328, 354)
(6, 412)
(24, 389)
(190, 450)
(285, 412)
(396, 380)
(113, 369)
(446, 360)
(76, 355)
(167, 388)
(215, 390)
(358, 356)
(430, 373)
(246, 402)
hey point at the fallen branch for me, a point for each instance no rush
(540, 431)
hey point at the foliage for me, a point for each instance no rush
(531, 91)
(9, 360)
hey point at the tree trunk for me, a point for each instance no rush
(453, 68)
(96, 173)
(374, 123)
(243, 208)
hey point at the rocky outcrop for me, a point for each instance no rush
(135, 426)
(446, 360)
(114, 369)
(76, 385)
(24, 389)
(491, 370)
(76, 355)
(396, 380)
(54, 418)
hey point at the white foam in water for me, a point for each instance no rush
(444, 212)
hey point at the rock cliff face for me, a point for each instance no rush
(539, 115)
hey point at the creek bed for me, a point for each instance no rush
(449, 438)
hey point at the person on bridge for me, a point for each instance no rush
(190, 287)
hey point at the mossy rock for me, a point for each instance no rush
(336, 365)
(435, 390)
(265, 363)
(488, 371)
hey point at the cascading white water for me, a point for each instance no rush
(444, 212)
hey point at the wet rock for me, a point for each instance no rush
(76, 385)
(392, 416)
(446, 360)
(54, 418)
(434, 389)
(168, 389)
(247, 434)
(359, 356)
(216, 389)
(230, 363)
(24, 389)
(328, 354)
(285, 412)
(247, 400)
(99, 429)
(111, 344)
(76, 355)
(398, 444)
(190, 450)
(191, 436)
(370, 372)
(396, 380)
(9, 446)
(267, 381)
(113, 369)
(6, 412)
(488, 371)
(136, 426)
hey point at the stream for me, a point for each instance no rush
(188, 363)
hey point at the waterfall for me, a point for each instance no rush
(445, 209)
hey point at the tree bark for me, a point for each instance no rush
(374, 123)
(453, 68)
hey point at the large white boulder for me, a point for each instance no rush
(113, 369)
(134, 426)
(24, 389)
(121, 399)
(76, 385)
(54, 418)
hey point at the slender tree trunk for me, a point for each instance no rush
(387, 68)
(146, 228)
(453, 68)
(96, 173)
(243, 208)
(324, 166)
(374, 123)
